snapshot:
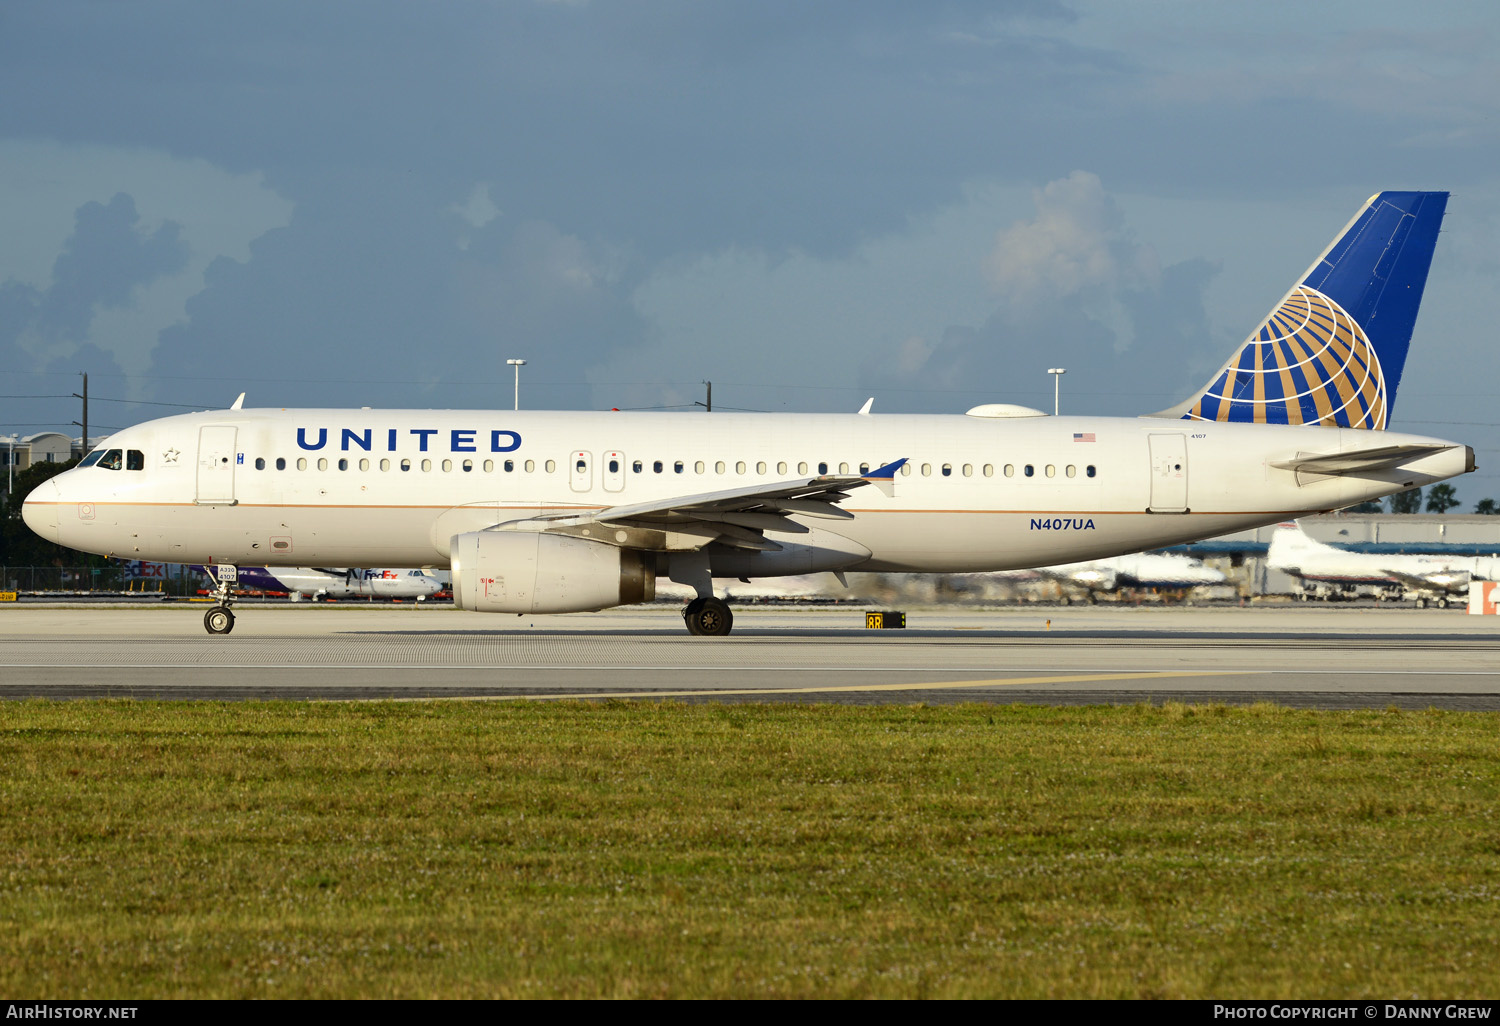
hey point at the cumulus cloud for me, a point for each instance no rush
(549, 296)
(106, 245)
(1076, 243)
(1077, 249)
(478, 210)
(1075, 288)
(539, 266)
(47, 332)
(105, 262)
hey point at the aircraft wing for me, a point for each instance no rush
(1438, 580)
(736, 516)
(1358, 462)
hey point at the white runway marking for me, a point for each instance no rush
(720, 667)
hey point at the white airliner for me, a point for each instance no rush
(1164, 570)
(1328, 571)
(300, 581)
(556, 512)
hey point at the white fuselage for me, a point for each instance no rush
(393, 487)
(358, 583)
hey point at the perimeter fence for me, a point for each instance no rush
(88, 580)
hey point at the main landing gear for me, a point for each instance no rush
(219, 619)
(708, 617)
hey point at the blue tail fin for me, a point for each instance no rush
(1332, 350)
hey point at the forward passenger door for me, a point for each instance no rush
(216, 463)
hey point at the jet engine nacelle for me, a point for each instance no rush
(524, 572)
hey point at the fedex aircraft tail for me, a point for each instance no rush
(1332, 350)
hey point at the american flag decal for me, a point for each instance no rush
(1083, 436)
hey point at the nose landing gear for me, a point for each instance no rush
(219, 619)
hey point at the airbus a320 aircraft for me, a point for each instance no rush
(552, 512)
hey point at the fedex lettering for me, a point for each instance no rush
(459, 439)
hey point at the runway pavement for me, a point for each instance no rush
(1301, 655)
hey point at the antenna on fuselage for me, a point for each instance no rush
(238, 402)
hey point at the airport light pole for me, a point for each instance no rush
(517, 364)
(1057, 373)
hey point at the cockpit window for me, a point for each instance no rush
(135, 459)
(92, 458)
(114, 459)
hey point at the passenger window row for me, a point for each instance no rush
(135, 461)
(1009, 470)
(466, 466)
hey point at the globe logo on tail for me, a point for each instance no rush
(1309, 363)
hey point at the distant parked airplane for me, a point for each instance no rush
(1329, 572)
(1140, 570)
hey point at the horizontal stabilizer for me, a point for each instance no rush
(1363, 461)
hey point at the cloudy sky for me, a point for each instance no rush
(376, 203)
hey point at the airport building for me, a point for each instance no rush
(17, 452)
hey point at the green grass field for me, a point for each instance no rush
(538, 849)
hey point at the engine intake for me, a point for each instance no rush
(516, 572)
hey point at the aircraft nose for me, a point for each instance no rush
(40, 510)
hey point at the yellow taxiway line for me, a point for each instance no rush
(1079, 678)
